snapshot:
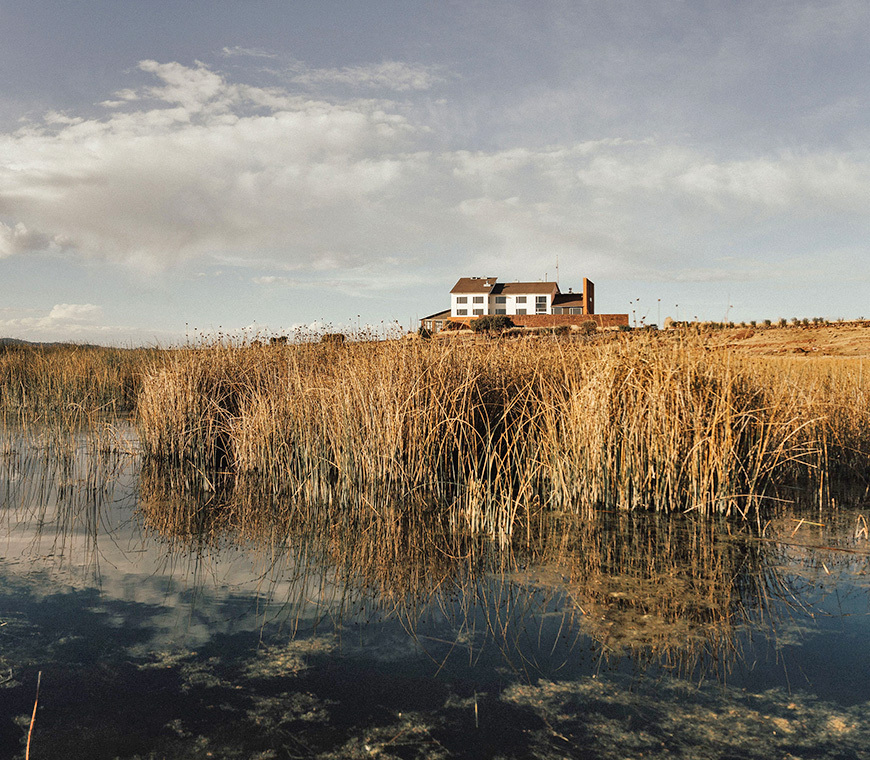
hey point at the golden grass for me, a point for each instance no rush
(492, 429)
(71, 384)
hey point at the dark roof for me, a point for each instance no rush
(568, 299)
(489, 285)
(522, 288)
(474, 285)
(440, 315)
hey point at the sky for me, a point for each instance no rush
(188, 168)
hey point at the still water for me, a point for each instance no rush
(172, 617)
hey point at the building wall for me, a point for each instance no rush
(554, 320)
(470, 305)
(491, 304)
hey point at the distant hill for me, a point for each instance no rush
(19, 342)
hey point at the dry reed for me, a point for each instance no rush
(68, 383)
(494, 428)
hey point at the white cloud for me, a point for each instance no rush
(69, 319)
(195, 166)
(18, 239)
(203, 173)
(388, 75)
(76, 322)
(70, 315)
(75, 312)
(237, 51)
(192, 88)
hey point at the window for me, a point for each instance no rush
(461, 299)
(501, 299)
(540, 304)
(521, 311)
(540, 299)
(478, 299)
(557, 310)
(438, 325)
(576, 310)
(478, 312)
(501, 311)
(462, 312)
(521, 299)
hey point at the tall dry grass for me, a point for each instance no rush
(494, 429)
(69, 383)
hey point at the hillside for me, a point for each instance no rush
(831, 339)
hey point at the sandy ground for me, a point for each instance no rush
(835, 339)
(844, 339)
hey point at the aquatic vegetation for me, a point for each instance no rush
(494, 429)
(216, 617)
(681, 721)
(68, 383)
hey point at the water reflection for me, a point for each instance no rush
(178, 614)
(663, 591)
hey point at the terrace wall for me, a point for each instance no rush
(553, 320)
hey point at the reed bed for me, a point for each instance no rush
(68, 383)
(495, 429)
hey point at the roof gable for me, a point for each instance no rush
(445, 314)
(568, 299)
(474, 285)
(526, 288)
(491, 286)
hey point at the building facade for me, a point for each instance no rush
(474, 297)
(481, 296)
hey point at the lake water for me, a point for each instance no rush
(167, 622)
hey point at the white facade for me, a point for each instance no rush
(508, 299)
(469, 304)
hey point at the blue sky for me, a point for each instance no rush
(264, 166)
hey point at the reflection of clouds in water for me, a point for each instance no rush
(171, 605)
(220, 626)
(69, 524)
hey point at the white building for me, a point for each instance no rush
(480, 296)
(474, 297)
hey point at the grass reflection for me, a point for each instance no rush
(663, 590)
(562, 641)
(57, 484)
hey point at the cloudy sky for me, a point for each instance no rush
(170, 168)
